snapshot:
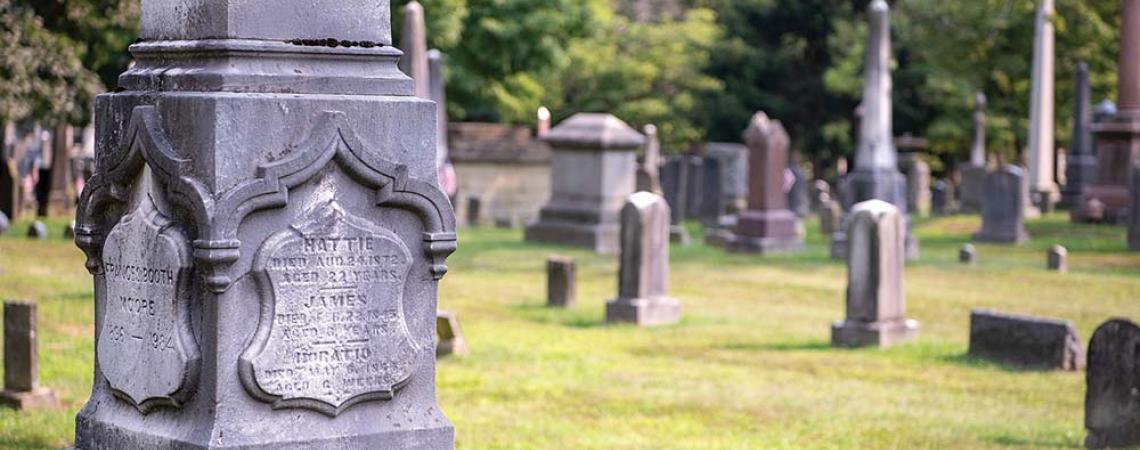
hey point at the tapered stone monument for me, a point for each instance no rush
(1118, 138)
(1003, 211)
(876, 306)
(643, 278)
(768, 225)
(266, 235)
(1112, 408)
(1081, 161)
(974, 173)
(1043, 192)
(592, 173)
(876, 174)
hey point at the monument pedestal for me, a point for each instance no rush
(644, 311)
(40, 398)
(1118, 149)
(854, 334)
(575, 228)
(766, 232)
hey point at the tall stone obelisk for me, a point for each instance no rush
(974, 173)
(876, 174)
(1081, 162)
(413, 42)
(1043, 192)
(265, 236)
(1118, 138)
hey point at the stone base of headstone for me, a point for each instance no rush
(679, 235)
(971, 191)
(766, 232)
(1112, 408)
(449, 335)
(575, 229)
(38, 399)
(644, 311)
(854, 334)
(1024, 341)
(1102, 203)
(860, 186)
(1001, 236)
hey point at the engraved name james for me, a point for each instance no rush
(332, 330)
(146, 325)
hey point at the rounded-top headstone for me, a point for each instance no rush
(367, 21)
(594, 131)
(37, 230)
(1058, 259)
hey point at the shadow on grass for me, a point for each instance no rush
(1017, 441)
(978, 362)
(778, 346)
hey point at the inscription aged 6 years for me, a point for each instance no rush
(146, 325)
(332, 330)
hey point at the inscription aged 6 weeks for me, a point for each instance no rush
(146, 349)
(332, 330)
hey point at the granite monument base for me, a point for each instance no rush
(853, 334)
(860, 186)
(576, 230)
(1111, 207)
(766, 232)
(1002, 236)
(139, 436)
(644, 311)
(40, 398)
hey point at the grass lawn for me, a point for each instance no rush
(749, 367)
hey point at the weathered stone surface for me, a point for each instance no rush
(61, 191)
(968, 254)
(649, 171)
(643, 278)
(1081, 161)
(561, 282)
(450, 337)
(694, 186)
(592, 173)
(1134, 212)
(5, 224)
(830, 218)
(917, 173)
(876, 306)
(974, 173)
(1057, 259)
(942, 199)
(37, 230)
(1025, 341)
(768, 225)
(22, 390)
(674, 183)
(279, 214)
(734, 172)
(1112, 408)
(1003, 214)
(413, 41)
(713, 205)
(1043, 192)
(798, 201)
(876, 175)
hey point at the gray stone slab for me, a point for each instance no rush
(358, 21)
(735, 170)
(713, 204)
(1112, 408)
(643, 277)
(22, 390)
(876, 305)
(1025, 341)
(1134, 214)
(1003, 213)
(561, 282)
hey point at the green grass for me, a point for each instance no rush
(748, 367)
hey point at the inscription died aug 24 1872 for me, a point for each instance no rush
(146, 323)
(332, 330)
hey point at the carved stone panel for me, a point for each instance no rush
(147, 351)
(332, 331)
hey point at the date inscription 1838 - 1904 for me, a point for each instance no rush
(332, 330)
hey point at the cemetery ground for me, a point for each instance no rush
(750, 365)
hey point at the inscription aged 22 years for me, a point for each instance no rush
(332, 330)
(146, 326)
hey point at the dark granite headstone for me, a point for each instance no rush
(674, 183)
(267, 232)
(643, 278)
(942, 200)
(1003, 208)
(1057, 259)
(1024, 341)
(733, 173)
(1081, 161)
(876, 306)
(1112, 406)
(37, 230)
(474, 210)
(22, 390)
(561, 290)
(830, 217)
(713, 206)
(694, 186)
(450, 337)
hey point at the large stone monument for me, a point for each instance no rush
(1003, 210)
(22, 390)
(265, 235)
(876, 306)
(767, 226)
(1118, 138)
(974, 172)
(1112, 408)
(876, 174)
(643, 278)
(592, 173)
(1081, 161)
(1043, 191)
